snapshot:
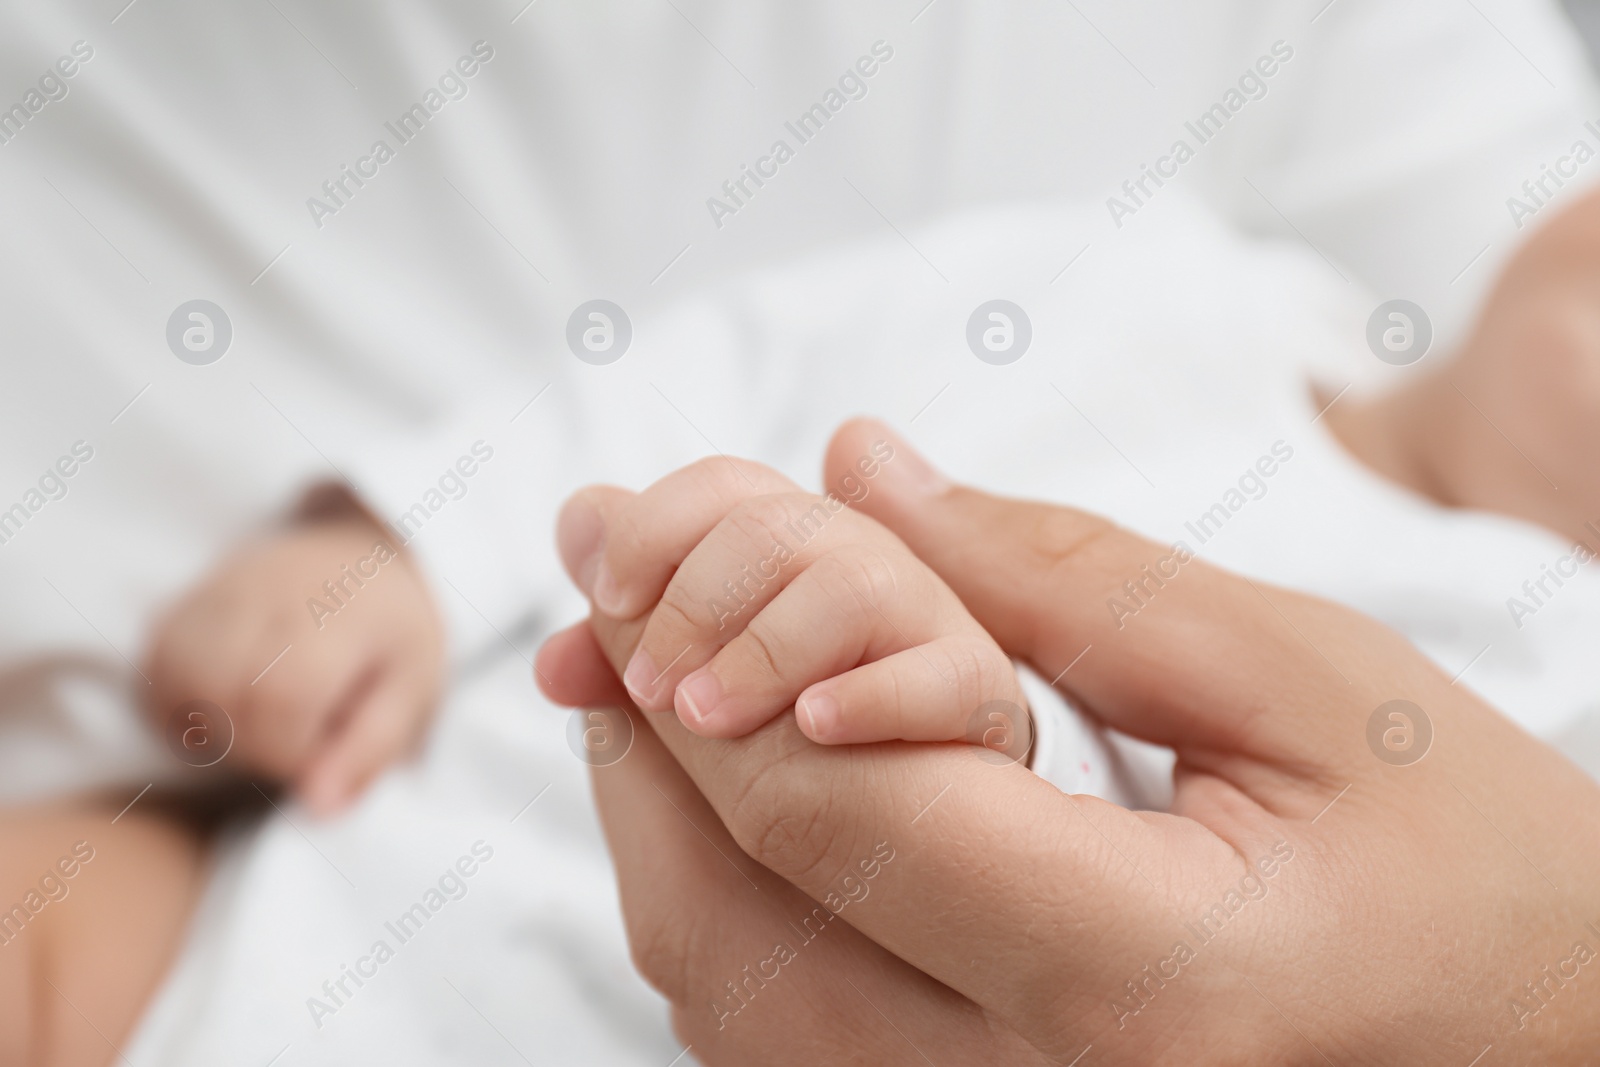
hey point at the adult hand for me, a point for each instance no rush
(1511, 423)
(1314, 896)
(320, 643)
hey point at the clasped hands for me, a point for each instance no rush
(853, 881)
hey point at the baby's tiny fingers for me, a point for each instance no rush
(856, 603)
(949, 689)
(732, 576)
(651, 534)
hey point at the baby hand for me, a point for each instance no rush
(762, 597)
(321, 644)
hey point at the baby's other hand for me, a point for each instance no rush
(321, 644)
(760, 597)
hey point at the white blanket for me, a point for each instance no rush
(178, 160)
(1164, 366)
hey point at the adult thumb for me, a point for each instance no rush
(1145, 636)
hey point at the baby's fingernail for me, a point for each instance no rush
(640, 678)
(697, 697)
(581, 539)
(819, 716)
(607, 594)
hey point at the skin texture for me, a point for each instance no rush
(1512, 422)
(1405, 907)
(772, 598)
(1414, 909)
(357, 686)
(75, 978)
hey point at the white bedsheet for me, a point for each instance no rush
(1165, 365)
(426, 314)
(528, 962)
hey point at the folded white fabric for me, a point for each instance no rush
(1076, 754)
(1166, 365)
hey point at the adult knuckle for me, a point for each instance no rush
(795, 827)
(796, 843)
(1075, 554)
(1065, 539)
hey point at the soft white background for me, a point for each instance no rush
(425, 315)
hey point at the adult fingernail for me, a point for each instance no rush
(581, 539)
(907, 470)
(640, 678)
(606, 592)
(697, 697)
(819, 715)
